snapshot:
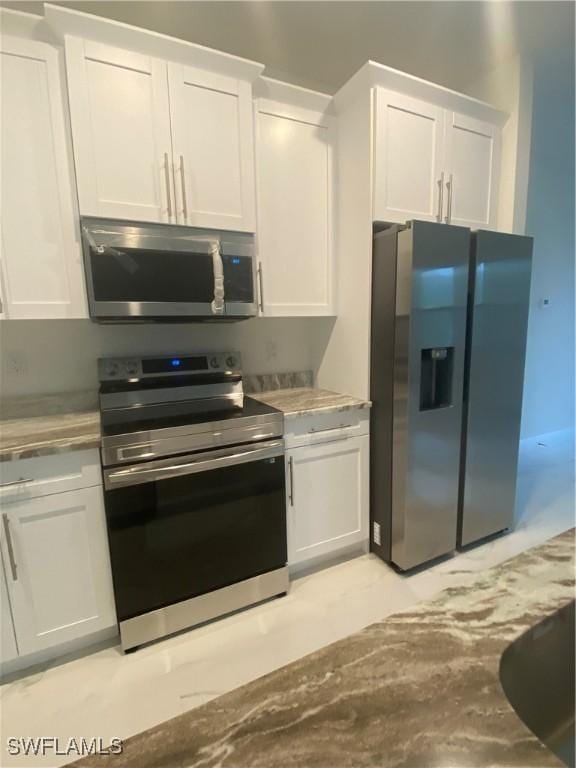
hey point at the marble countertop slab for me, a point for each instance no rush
(420, 689)
(303, 401)
(41, 426)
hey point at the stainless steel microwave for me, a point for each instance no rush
(161, 272)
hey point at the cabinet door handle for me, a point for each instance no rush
(183, 182)
(440, 196)
(314, 431)
(13, 567)
(291, 480)
(167, 180)
(450, 188)
(261, 286)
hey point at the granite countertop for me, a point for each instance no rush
(45, 435)
(302, 401)
(39, 426)
(59, 423)
(419, 689)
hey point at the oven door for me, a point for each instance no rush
(185, 526)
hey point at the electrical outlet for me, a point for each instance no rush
(376, 534)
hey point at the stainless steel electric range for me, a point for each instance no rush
(194, 486)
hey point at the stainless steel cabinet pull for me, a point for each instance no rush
(16, 482)
(450, 188)
(291, 478)
(167, 179)
(183, 183)
(329, 429)
(13, 566)
(440, 196)
(261, 284)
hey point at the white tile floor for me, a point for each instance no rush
(108, 694)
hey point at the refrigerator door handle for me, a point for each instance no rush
(440, 197)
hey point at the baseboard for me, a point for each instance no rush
(59, 654)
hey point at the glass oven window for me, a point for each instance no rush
(174, 539)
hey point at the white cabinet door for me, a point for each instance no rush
(213, 149)
(327, 487)
(59, 576)
(408, 141)
(472, 164)
(121, 130)
(42, 274)
(8, 649)
(294, 155)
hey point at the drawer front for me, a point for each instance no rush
(324, 427)
(29, 478)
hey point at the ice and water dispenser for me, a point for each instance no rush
(436, 374)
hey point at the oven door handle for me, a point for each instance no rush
(140, 473)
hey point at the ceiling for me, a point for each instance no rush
(321, 44)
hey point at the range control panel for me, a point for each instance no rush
(120, 368)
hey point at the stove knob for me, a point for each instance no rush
(131, 368)
(112, 369)
(214, 362)
(231, 362)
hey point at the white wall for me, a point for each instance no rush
(54, 356)
(509, 86)
(549, 383)
(537, 196)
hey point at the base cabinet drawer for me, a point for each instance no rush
(57, 568)
(25, 479)
(327, 497)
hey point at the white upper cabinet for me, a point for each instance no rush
(41, 255)
(159, 141)
(213, 148)
(57, 568)
(121, 130)
(432, 163)
(408, 157)
(294, 162)
(472, 165)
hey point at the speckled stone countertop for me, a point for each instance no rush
(39, 426)
(420, 689)
(42, 426)
(302, 401)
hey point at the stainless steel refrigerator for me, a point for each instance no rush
(446, 386)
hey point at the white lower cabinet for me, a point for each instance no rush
(57, 568)
(327, 488)
(8, 649)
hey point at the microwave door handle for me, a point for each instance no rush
(140, 474)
